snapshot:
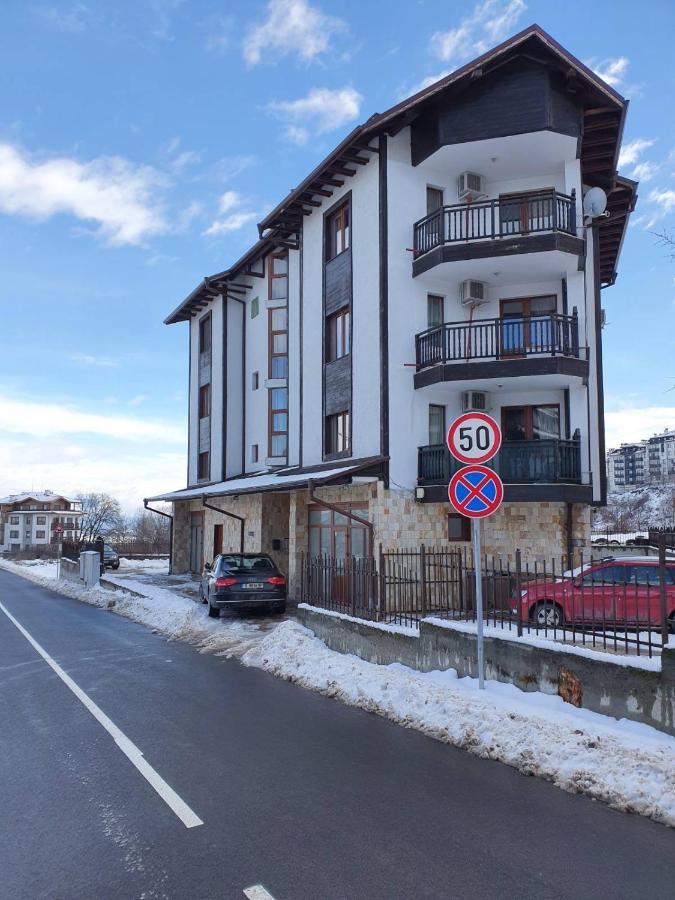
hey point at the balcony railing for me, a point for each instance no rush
(552, 335)
(493, 219)
(546, 461)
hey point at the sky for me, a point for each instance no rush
(141, 142)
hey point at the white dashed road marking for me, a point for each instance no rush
(257, 892)
(130, 750)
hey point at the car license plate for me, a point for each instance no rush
(253, 586)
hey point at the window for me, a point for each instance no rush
(278, 325)
(527, 324)
(203, 467)
(606, 575)
(254, 453)
(255, 381)
(337, 233)
(435, 314)
(525, 212)
(333, 534)
(648, 576)
(41, 520)
(338, 337)
(14, 520)
(436, 424)
(39, 534)
(530, 423)
(278, 422)
(204, 400)
(278, 276)
(205, 334)
(337, 433)
(14, 534)
(255, 307)
(434, 199)
(459, 528)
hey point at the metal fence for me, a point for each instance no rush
(619, 605)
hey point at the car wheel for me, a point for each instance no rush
(116, 565)
(547, 615)
(214, 613)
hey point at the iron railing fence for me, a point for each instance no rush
(618, 605)
(553, 334)
(500, 218)
(546, 461)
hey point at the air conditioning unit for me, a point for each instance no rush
(473, 293)
(474, 401)
(471, 186)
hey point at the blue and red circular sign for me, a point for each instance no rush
(476, 491)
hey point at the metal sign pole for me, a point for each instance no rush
(475, 534)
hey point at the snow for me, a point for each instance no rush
(409, 630)
(652, 664)
(625, 764)
(150, 565)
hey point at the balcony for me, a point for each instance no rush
(534, 222)
(530, 345)
(546, 469)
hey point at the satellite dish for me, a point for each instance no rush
(595, 202)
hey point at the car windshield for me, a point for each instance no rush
(108, 549)
(238, 564)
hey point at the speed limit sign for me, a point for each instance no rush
(474, 438)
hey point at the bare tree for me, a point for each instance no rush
(102, 515)
(667, 240)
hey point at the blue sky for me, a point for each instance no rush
(141, 141)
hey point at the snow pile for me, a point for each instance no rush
(636, 508)
(148, 565)
(165, 612)
(627, 765)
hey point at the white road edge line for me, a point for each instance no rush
(178, 806)
(257, 892)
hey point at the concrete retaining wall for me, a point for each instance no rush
(69, 570)
(612, 688)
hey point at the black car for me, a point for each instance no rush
(243, 581)
(111, 559)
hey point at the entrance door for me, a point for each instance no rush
(217, 540)
(197, 542)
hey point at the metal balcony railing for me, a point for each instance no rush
(552, 335)
(492, 219)
(546, 461)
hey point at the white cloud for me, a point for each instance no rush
(636, 423)
(291, 27)
(120, 198)
(138, 399)
(664, 199)
(645, 171)
(43, 419)
(487, 24)
(72, 20)
(89, 360)
(219, 35)
(631, 152)
(322, 110)
(231, 217)
(613, 71)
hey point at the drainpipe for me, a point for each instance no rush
(224, 512)
(570, 541)
(347, 515)
(168, 516)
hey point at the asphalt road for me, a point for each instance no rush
(309, 798)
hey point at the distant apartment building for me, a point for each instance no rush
(646, 462)
(437, 261)
(31, 520)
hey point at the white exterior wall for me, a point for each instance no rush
(235, 324)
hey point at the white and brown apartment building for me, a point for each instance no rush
(438, 260)
(30, 520)
(651, 461)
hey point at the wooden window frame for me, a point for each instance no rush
(338, 324)
(272, 278)
(271, 335)
(441, 297)
(528, 409)
(360, 508)
(333, 452)
(344, 227)
(524, 198)
(445, 421)
(526, 317)
(205, 334)
(203, 463)
(465, 528)
(204, 405)
(438, 190)
(271, 433)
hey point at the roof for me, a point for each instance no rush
(38, 496)
(280, 480)
(604, 116)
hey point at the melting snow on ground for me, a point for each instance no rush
(627, 765)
